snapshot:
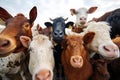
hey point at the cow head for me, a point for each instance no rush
(81, 14)
(74, 49)
(58, 26)
(41, 55)
(15, 27)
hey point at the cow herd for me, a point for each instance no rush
(63, 50)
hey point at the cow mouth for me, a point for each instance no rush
(45, 77)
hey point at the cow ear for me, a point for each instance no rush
(39, 28)
(73, 12)
(69, 24)
(92, 9)
(48, 24)
(25, 41)
(88, 37)
(4, 15)
(33, 14)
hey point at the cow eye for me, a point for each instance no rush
(26, 26)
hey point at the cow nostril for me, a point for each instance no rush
(5, 43)
(107, 49)
(61, 33)
(76, 60)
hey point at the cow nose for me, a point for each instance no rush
(4, 43)
(82, 20)
(112, 51)
(76, 61)
(43, 75)
(58, 33)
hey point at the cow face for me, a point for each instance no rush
(15, 27)
(81, 14)
(74, 52)
(41, 55)
(58, 29)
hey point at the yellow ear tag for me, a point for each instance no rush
(70, 27)
(54, 43)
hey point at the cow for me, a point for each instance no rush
(102, 43)
(81, 17)
(75, 56)
(41, 63)
(12, 52)
(58, 34)
(100, 71)
(113, 18)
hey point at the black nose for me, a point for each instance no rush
(58, 33)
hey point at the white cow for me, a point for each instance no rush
(81, 15)
(101, 42)
(41, 61)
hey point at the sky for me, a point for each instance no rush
(57, 8)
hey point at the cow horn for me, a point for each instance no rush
(51, 19)
(66, 19)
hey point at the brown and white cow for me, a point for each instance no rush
(100, 71)
(11, 49)
(41, 63)
(81, 15)
(75, 57)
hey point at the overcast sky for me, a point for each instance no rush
(56, 8)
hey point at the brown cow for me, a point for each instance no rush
(15, 27)
(75, 57)
(11, 49)
(103, 17)
(100, 71)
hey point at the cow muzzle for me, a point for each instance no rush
(76, 61)
(43, 75)
(7, 45)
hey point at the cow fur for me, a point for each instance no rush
(75, 45)
(41, 54)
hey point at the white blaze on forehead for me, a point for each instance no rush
(41, 54)
(81, 12)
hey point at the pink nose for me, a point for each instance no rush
(82, 20)
(111, 51)
(43, 75)
(76, 61)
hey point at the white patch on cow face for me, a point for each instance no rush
(81, 16)
(111, 52)
(41, 54)
(102, 42)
